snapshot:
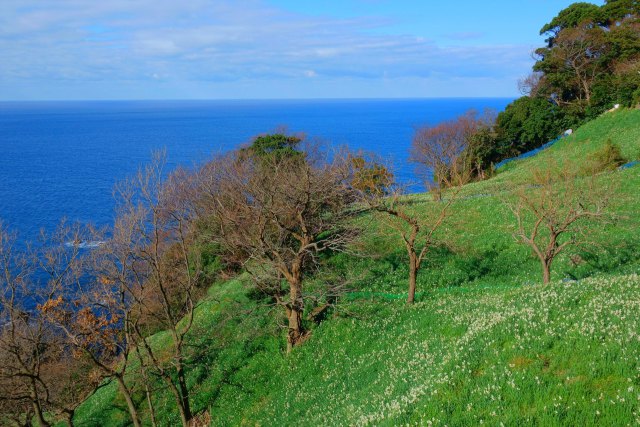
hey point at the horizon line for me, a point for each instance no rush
(255, 99)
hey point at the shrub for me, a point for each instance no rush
(607, 158)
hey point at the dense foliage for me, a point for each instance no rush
(591, 62)
(276, 145)
(528, 123)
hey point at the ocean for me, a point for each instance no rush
(62, 159)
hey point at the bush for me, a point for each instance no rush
(635, 102)
(607, 158)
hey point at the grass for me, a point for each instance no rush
(525, 355)
(485, 343)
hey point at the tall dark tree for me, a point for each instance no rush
(528, 123)
(585, 45)
(571, 17)
(590, 62)
(615, 11)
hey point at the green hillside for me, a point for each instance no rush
(486, 342)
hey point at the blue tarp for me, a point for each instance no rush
(630, 165)
(529, 153)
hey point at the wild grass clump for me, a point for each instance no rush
(607, 158)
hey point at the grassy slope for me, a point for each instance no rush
(485, 342)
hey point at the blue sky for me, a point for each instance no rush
(221, 49)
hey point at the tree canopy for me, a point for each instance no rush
(276, 145)
(589, 63)
(571, 17)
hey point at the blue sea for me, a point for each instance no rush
(62, 159)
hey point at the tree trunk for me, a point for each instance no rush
(413, 276)
(546, 272)
(179, 401)
(437, 193)
(294, 314)
(587, 91)
(184, 392)
(69, 415)
(37, 408)
(147, 389)
(127, 397)
(152, 410)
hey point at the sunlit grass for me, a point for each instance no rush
(485, 343)
(565, 354)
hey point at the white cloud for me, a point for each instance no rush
(207, 40)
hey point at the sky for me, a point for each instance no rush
(257, 49)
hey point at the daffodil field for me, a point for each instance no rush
(562, 355)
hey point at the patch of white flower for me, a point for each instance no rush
(412, 367)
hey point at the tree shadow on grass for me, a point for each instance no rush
(220, 353)
(603, 259)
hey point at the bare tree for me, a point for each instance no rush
(92, 312)
(530, 85)
(35, 359)
(554, 213)
(162, 274)
(94, 316)
(142, 279)
(442, 150)
(65, 260)
(276, 214)
(23, 341)
(71, 381)
(581, 50)
(417, 228)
